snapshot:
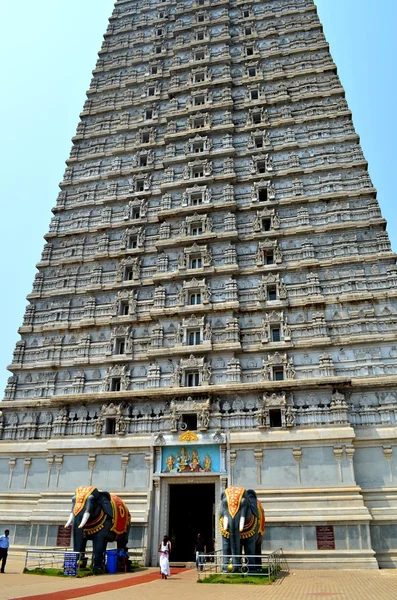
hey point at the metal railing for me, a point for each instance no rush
(260, 565)
(55, 559)
(68, 562)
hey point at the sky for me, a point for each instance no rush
(48, 50)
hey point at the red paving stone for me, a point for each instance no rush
(100, 587)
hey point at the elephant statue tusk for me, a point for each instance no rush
(70, 520)
(84, 520)
(225, 523)
(242, 523)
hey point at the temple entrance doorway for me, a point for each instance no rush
(192, 511)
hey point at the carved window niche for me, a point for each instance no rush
(145, 159)
(194, 292)
(140, 184)
(200, 53)
(200, 35)
(198, 100)
(201, 16)
(275, 412)
(197, 169)
(198, 145)
(196, 196)
(197, 225)
(148, 114)
(262, 191)
(133, 238)
(125, 304)
(278, 367)
(195, 257)
(199, 120)
(194, 332)
(117, 378)
(129, 269)
(251, 49)
(146, 136)
(251, 70)
(268, 253)
(266, 220)
(271, 288)
(256, 116)
(275, 328)
(120, 341)
(195, 371)
(261, 163)
(259, 139)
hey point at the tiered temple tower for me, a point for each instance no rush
(216, 299)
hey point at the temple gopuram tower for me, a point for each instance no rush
(215, 303)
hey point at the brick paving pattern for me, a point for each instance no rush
(298, 585)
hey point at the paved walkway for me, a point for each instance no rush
(298, 585)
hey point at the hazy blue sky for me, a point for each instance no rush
(48, 50)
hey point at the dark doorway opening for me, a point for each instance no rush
(192, 511)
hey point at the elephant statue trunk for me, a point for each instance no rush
(242, 523)
(100, 517)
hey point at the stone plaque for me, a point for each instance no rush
(325, 537)
(63, 536)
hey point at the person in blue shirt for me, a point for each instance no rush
(4, 545)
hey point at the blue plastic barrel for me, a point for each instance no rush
(111, 561)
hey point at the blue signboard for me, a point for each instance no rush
(70, 564)
(190, 459)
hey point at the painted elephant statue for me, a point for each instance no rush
(100, 517)
(242, 523)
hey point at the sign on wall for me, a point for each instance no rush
(190, 459)
(63, 536)
(325, 537)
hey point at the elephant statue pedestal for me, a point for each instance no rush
(242, 524)
(100, 517)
